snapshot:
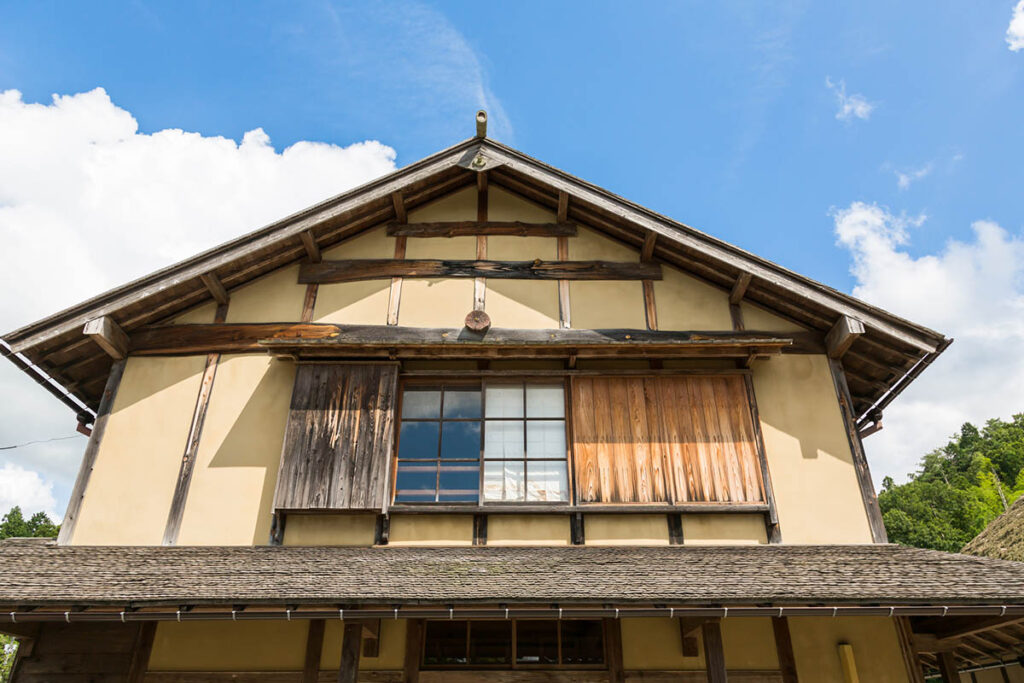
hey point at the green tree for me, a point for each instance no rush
(38, 525)
(8, 649)
(959, 488)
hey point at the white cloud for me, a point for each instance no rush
(850, 106)
(972, 291)
(26, 488)
(1015, 31)
(905, 178)
(87, 202)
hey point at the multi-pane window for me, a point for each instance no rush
(513, 644)
(517, 427)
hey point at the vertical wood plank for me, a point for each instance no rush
(395, 295)
(309, 302)
(588, 488)
(413, 650)
(564, 317)
(613, 649)
(860, 461)
(141, 651)
(661, 460)
(714, 654)
(314, 648)
(351, 644)
(784, 648)
(623, 451)
(480, 284)
(92, 449)
(708, 488)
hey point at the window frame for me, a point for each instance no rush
(483, 381)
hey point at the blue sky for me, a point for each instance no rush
(724, 115)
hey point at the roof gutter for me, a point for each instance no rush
(83, 412)
(259, 613)
(903, 382)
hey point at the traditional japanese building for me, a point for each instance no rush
(482, 420)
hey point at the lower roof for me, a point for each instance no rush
(43, 573)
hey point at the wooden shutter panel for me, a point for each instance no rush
(664, 440)
(339, 438)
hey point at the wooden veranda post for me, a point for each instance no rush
(351, 645)
(714, 655)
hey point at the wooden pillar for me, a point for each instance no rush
(714, 655)
(141, 651)
(784, 648)
(947, 668)
(911, 660)
(314, 648)
(613, 650)
(413, 650)
(351, 645)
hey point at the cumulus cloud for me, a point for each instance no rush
(904, 179)
(97, 202)
(26, 488)
(971, 290)
(1015, 31)
(851, 107)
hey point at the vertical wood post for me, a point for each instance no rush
(413, 650)
(613, 650)
(314, 648)
(784, 648)
(860, 461)
(480, 284)
(650, 308)
(910, 656)
(714, 654)
(948, 668)
(67, 528)
(351, 645)
(141, 651)
(395, 295)
(771, 518)
(564, 320)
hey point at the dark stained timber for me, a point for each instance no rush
(376, 269)
(483, 227)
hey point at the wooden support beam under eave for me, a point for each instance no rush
(481, 227)
(739, 289)
(215, 287)
(842, 335)
(108, 335)
(375, 269)
(311, 247)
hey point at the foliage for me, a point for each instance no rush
(959, 488)
(8, 649)
(38, 525)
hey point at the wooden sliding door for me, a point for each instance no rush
(667, 439)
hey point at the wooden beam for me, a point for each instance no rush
(646, 255)
(479, 283)
(739, 289)
(398, 201)
(613, 650)
(99, 427)
(771, 519)
(957, 627)
(911, 655)
(842, 335)
(860, 461)
(675, 528)
(371, 638)
(188, 459)
(413, 650)
(376, 269)
(647, 251)
(563, 206)
(310, 245)
(215, 287)
(109, 336)
(351, 644)
(848, 664)
(314, 648)
(714, 654)
(689, 635)
(784, 648)
(948, 668)
(480, 227)
(564, 311)
(309, 302)
(141, 651)
(395, 296)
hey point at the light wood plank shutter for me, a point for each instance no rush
(339, 438)
(664, 440)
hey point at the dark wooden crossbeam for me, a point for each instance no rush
(315, 339)
(375, 269)
(461, 228)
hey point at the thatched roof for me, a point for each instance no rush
(1003, 538)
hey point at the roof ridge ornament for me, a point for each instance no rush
(481, 123)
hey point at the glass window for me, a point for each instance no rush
(518, 643)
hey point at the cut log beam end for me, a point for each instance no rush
(109, 336)
(842, 335)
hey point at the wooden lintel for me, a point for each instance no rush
(398, 201)
(563, 206)
(739, 288)
(215, 287)
(481, 227)
(375, 269)
(310, 245)
(108, 335)
(842, 335)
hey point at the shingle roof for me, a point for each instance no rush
(1003, 538)
(46, 574)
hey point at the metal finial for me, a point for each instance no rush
(481, 124)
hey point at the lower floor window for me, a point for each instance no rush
(513, 644)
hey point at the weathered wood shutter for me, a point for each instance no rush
(339, 438)
(664, 440)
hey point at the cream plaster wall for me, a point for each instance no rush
(651, 644)
(356, 303)
(392, 646)
(132, 483)
(438, 302)
(527, 304)
(631, 529)
(603, 305)
(528, 530)
(876, 648)
(686, 303)
(200, 315)
(230, 499)
(431, 530)
(274, 298)
(724, 529)
(229, 646)
(505, 206)
(330, 529)
(756, 318)
(809, 459)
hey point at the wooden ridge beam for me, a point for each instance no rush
(481, 227)
(215, 287)
(108, 335)
(842, 335)
(374, 269)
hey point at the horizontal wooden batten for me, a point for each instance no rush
(376, 269)
(463, 228)
(328, 340)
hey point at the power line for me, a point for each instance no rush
(29, 443)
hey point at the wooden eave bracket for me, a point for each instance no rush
(844, 332)
(311, 247)
(739, 289)
(215, 287)
(108, 335)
